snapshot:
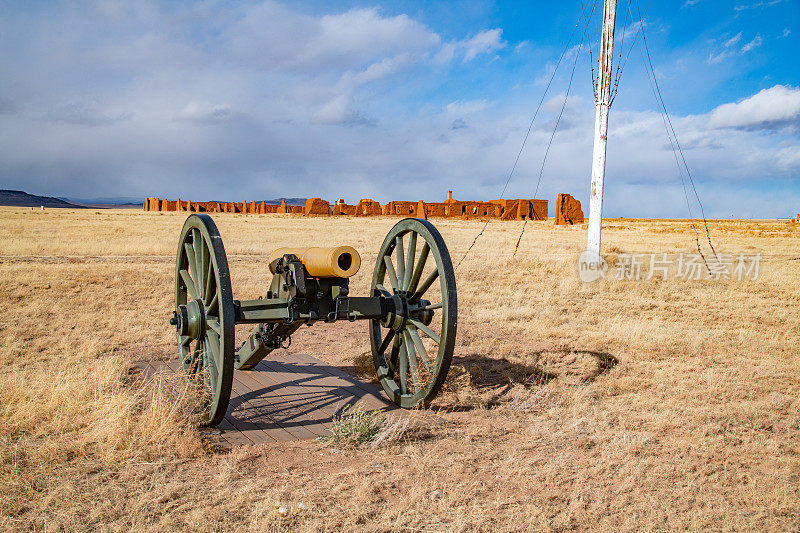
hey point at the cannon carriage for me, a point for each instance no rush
(411, 309)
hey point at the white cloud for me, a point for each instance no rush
(205, 113)
(755, 43)
(770, 109)
(466, 107)
(732, 41)
(757, 5)
(554, 103)
(337, 110)
(485, 42)
(276, 38)
(789, 158)
(632, 29)
(729, 48)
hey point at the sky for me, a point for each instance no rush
(401, 100)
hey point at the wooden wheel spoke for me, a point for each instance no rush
(190, 259)
(197, 245)
(213, 305)
(213, 377)
(390, 271)
(412, 361)
(423, 353)
(211, 285)
(425, 285)
(199, 354)
(426, 330)
(385, 344)
(208, 292)
(395, 354)
(430, 307)
(403, 368)
(383, 289)
(210, 368)
(214, 325)
(197, 361)
(213, 344)
(210, 278)
(412, 252)
(203, 264)
(186, 340)
(423, 257)
(189, 282)
(401, 261)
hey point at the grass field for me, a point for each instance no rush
(615, 405)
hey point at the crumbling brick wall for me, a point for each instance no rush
(434, 209)
(368, 207)
(341, 208)
(532, 209)
(317, 206)
(477, 210)
(504, 209)
(401, 208)
(568, 210)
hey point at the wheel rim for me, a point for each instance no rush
(205, 315)
(412, 350)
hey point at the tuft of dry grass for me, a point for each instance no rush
(405, 428)
(355, 427)
(622, 405)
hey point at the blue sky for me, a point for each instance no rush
(397, 100)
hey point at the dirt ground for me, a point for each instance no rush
(623, 404)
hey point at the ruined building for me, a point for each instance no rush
(568, 209)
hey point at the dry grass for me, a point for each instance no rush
(615, 405)
(355, 427)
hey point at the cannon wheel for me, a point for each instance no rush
(412, 354)
(204, 301)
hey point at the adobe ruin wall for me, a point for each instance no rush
(567, 208)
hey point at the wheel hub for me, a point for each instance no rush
(191, 319)
(396, 319)
(426, 316)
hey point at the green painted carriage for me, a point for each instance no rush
(411, 309)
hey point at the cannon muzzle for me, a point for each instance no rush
(334, 262)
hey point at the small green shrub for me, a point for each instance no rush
(356, 427)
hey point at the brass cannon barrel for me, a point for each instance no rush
(337, 261)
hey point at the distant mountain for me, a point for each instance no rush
(116, 200)
(23, 199)
(289, 201)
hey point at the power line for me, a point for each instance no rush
(552, 136)
(622, 38)
(680, 170)
(527, 134)
(587, 34)
(621, 64)
(651, 77)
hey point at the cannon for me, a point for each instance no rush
(411, 309)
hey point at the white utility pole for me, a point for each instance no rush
(600, 132)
